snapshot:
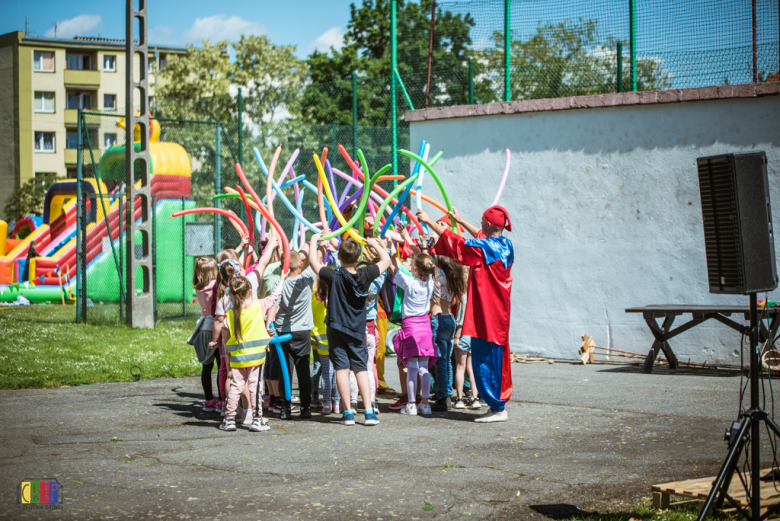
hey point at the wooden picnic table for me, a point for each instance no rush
(664, 332)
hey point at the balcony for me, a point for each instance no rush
(77, 79)
(71, 156)
(71, 117)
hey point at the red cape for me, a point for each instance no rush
(489, 289)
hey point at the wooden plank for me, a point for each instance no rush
(700, 488)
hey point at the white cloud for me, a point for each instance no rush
(221, 27)
(160, 34)
(333, 37)
(81, 25)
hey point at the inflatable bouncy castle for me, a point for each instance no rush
(55, 232)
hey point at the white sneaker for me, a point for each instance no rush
(327, 408)
(425, 409)
(258, 425)
(475, 404)
(228, 424)
(459, 405)
(410, 409)
(492, 417)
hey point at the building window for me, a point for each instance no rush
(71, 140)
(44, 101)
(109, 101)
(150, 66)
(79, 62)
(72, 173)
(109, 140)
(44, 142)
(43, 61)
(109, 63)
(78, 100)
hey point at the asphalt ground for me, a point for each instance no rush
(579, 439)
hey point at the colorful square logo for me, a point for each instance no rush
(37, 494)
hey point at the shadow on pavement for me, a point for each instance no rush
(562, 511)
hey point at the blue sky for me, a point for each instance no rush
(309, 24)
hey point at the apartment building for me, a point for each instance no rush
(43, 83)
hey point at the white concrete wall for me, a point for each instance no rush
(606, 213)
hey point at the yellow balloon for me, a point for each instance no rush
(336, 212)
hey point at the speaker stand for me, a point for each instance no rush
(747, 433)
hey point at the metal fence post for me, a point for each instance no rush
(393, 105)
(217, 184)
(183, 265)
(471, 81)
(354, 114)
(507, 49)
(80, 211)
(620, 67)
(632, 16)
(240, 132)
(121, 263)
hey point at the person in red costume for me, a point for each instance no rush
(488, 307)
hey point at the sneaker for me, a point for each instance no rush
(295, 399)
(247, 418)
(258, 425)
(425, 409)
(209, 405)
(410, 409)
(316, 403)
(276, 405)
(492, 417)
(327, 408)
(348, 418)
(286, 414)
(353, 406)
(400, 403)
(371, 418)
(459, 404)
(228, 424)
(305, 412)
(295, 409)
(475, 404)
(375, 407)
(218, 407)
(442, 404)
(337, 407)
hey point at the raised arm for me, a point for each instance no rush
(273, 243)
(473, 230)
(437, 227)
(384, 258)
(314, 260)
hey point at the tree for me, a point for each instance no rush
(560, 60)
(366, 50)
(28, 198)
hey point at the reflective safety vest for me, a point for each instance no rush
(251, 350)
(319, 335)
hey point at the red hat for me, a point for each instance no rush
(445, 219)
(498, 216)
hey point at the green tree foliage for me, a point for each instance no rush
(28, 198)
(366, 51)
(564, 59)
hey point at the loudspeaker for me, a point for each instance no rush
(737, 216)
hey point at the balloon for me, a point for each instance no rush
(251, 229)
(427, 166)
(415, 171)
(361, 210)
(333, 205)
(503, 180)
(277, 342)
(234, 220)
(379, 189)
(398, 205)
(398, 189)
(262, 209)
(270, 178)
(418, 199)
(283, 197)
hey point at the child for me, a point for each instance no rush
(227, 269)
(346, 318)
(414, 343)
(331, 400)
(203, 279)
(448, 284)
(292, 314)
(463, 356)
(247, 344)
(372, 336)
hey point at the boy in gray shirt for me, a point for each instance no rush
(292, 314)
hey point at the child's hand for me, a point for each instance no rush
(371, 241)
(212, 344)
(316, 238)
(423, 216)
(283, 277)
(271, 331)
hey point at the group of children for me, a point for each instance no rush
(326, 307)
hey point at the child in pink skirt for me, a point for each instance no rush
(414, 342)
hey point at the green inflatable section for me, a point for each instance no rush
(112, 164)
(174, 269)
(33, 293)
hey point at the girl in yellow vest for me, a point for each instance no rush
(331, 400)
(247, 345)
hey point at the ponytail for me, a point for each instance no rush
(239, 292)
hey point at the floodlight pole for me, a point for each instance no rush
(507, 49)
(140, 305)
(354, 114)
(393, 104)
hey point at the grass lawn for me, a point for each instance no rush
(43, 347)
(644, 512)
